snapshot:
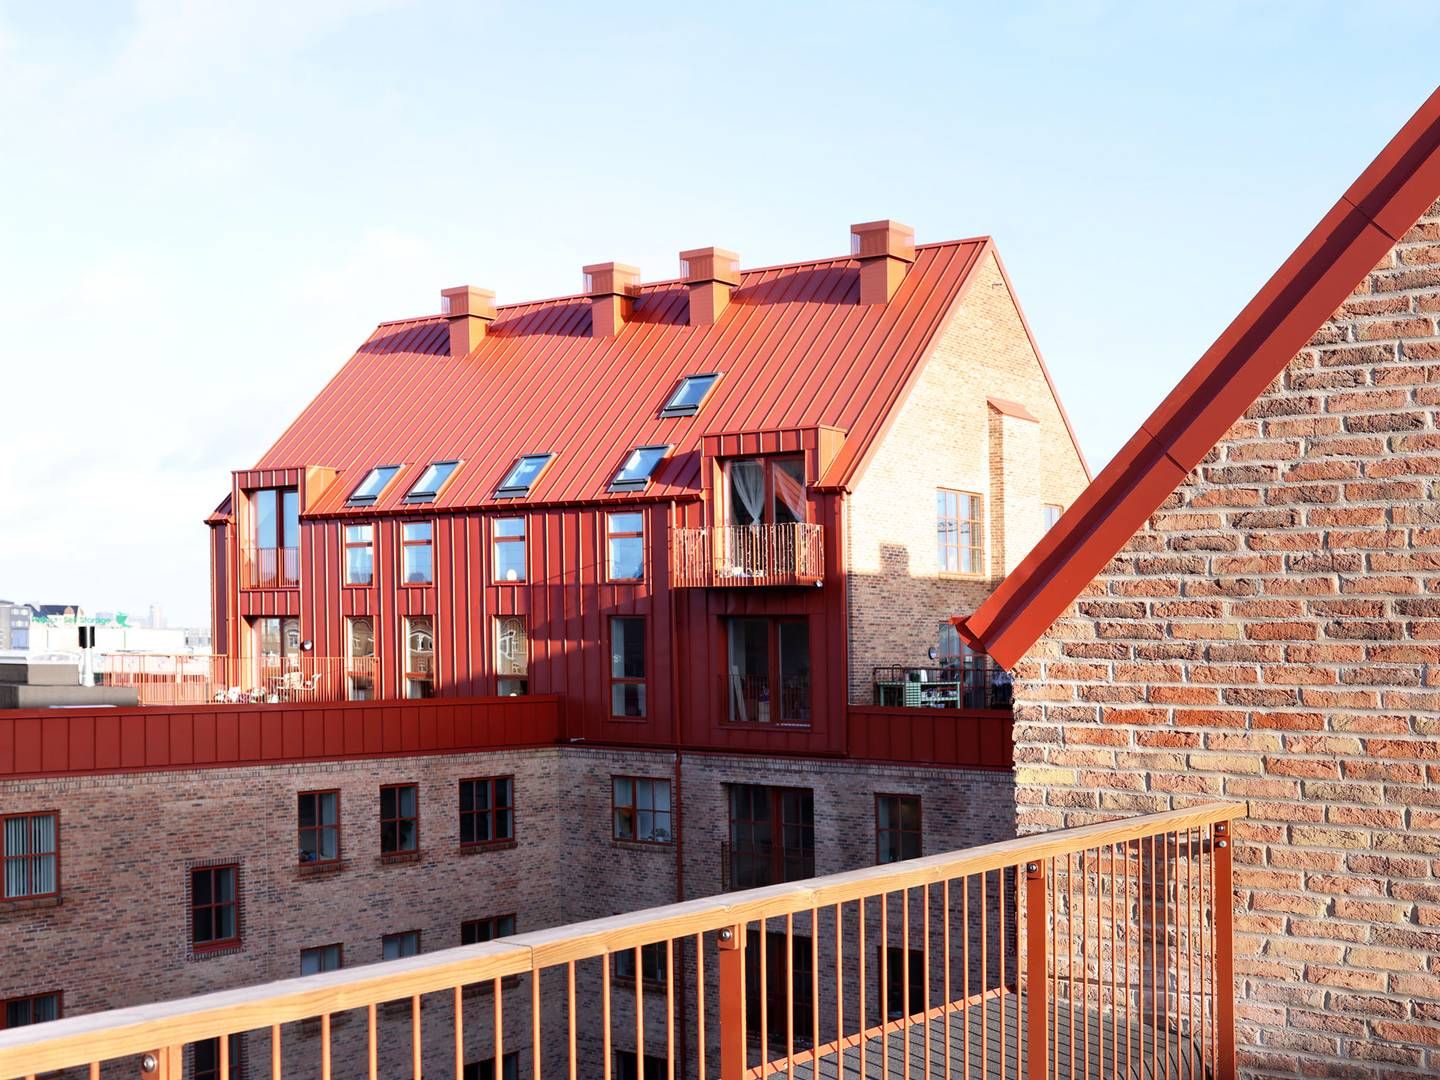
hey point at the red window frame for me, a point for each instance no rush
(770, 463)
(653, 967)
(215, 944)
(612, 534)
(6, 858)
(230, 1050)
(491, 924)
(424, 681)
(399, 851)
(30, 999)
(491, 811)
(523, 540)
(348, 545)
(795, 709)
(301, 829)
(407, 544)
(898, 833)
(631, 811)
(765, 836)
(642, 680)
(948, 525)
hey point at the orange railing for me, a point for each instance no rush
(1101, 951)
(789, 554)
(181, 679)
(269, 567)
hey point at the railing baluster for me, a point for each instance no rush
(700, 1004)
(324, 1048)
(570, 1013)
(1224, 901)
(945, 960)
(415, 1045)
(905, 1010)
(884, 986)
(732, 1002)
(1037, 1038)
(640, 1008)
(860, 995)
(965, 971)
(669, 1011)
(459, 1033)
(372, 1049)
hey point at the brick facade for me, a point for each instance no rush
(946, 435)
(1271, 636)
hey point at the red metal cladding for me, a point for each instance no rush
(1389, 197)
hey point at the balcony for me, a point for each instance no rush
(1102, 951)
(972, 683)
(194, 679)
(759, 699)
(269, 568)
(748, 555)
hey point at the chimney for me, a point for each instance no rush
(612, 287)
(711, 273)
(885, 250)
(469, 311)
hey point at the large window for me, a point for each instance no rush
(319, 824)
(959, 532)
(214, 907)
(625, 546)
(765, 491)
(322, 958)
(360, 658)
(897, 828)
(31, 1009)
(487, 810)
(485, 1069)
(508, 556)
(512, 656)
(772, 835)
(359, 554)
(787, 996)
(31, 855)
(627, 666)
(768, 672)
(397, 946)
(474, 931)
(418, 556)
(419, 657)
(399, 819)
(903, 969)
(275, 514)
(641, 809)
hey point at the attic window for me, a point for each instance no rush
(373, 484)
(431, 481)
(634, 475)
(690, 395)
(522, 476)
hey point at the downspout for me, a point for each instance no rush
(677, 816)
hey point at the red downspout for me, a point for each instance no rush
(677, 815)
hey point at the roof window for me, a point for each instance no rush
(431, 481)
(522, 476)
(634, 475)
(374, 483)
(690, 395)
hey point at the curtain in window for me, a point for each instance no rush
(42, 865)
(747, 482)
(15, 845)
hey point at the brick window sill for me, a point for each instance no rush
(319, 869)
(29, 903)
(643, 845)
(210, 952)
(391, 857)
(481, 849)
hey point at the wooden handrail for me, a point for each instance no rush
(100, 1036)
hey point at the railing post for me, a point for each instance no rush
(167, 1063)
(1223, 901)
(1037, 1012)
(732, 1002)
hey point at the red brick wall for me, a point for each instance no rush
(1272, 635)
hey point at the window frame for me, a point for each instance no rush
(523, 540)
(1048, 520)
(215, 945)
(497, 624)
(490, 921)
(510, 490)
(773, 673)
(510, 1057)
(5, 1003)
(777, 855)
(671, 409)
(353, 675)
(612, 534)
(411, 674)
(900, 833)
(640, 483)
(6, 858)
(397, 935)
(338, 946)
(356, 499)
(347, 545)
(416, 494)
(233, 1056)
(976, 524)
(302, 829)
(491, 811)
(399, 853)
(407, 545)
(632, 810)
(642, 681)
(649, 980)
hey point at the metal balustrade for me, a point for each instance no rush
(199, 678)
(748, 555)
(269, 567)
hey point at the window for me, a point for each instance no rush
(897, 828)
(474, 931)
(418, 553)
(627, 1067)
(374, 483)
(214, 907)
(653, 964)
(768, 678)
(634, 475)
(399, 819)
(627, 666)
(205, 1058)
(512, 656)
(31, 855)
(276, 535)
(359, 554)
(949, 647)
(784, 977)
(431, 481)
(892, 961)
(319, 817)
(1051, 512)
(397, 946)
(487, 810)
(690, 395)
(772, 835)
(625, 546)
(959, 532)
(508, 551)
(32, 1009)
(419, 657)
(765, 491)
(360, 659)
(522, 476)
(641, 809)
(485, 1070)
(321, 958)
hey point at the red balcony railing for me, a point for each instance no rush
(185, 679)
(759, 699)
(269, 568)
(738, 555)
(1103, 951)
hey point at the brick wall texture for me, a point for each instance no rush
(1273, 635)
(944, 436)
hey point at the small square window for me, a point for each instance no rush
(29, 856)
(641, 809)
(690, 395)
(431, 481)
(487, 810)
(522, 476)
(374, 483)
(634, 475)
(321, 958)
(397, 946)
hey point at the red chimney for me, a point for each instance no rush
(885, 250)
(612, 287)
(469, 311)
(710, 273)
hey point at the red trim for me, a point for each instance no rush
(1340, 251)
(491, 812)
(300, 829)
(413, 850)
(1006, 407)
(215, 945)
(633, 809)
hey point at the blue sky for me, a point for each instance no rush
(205, 207)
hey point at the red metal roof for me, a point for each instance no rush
(1342, 249)
(795, 346)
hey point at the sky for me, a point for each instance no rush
(205, 207)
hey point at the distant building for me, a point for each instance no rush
(14, 626)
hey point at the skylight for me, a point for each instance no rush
(634, 475)
(373, 484)
(522, 476)
(690, 395)
(431, 481)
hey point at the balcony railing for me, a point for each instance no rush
(759, 699)
(788, 554)
(192, 679)
(269, 568)
(1102, 951)
(975, 682)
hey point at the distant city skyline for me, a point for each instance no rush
(213, 216)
